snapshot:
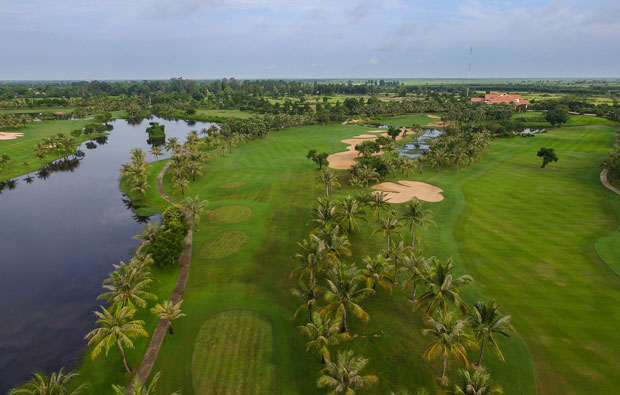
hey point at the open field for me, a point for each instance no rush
(63, 110)
(409, 120)
(20, 149)
(222, 114)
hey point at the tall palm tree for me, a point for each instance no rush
(172, 144)
(376, 272)
(193, 207)
(415, 215)
(116, 327)
(181, 184)
(349, 211)
(344, 375)
(397, 255)
(345, 288)
(416, 267)
(477, 384)
(329, 179)
(127, 285)
(486, 320)
(379, 202)
(313, 259)
(168, 311)
(458, 156)
(437, 157)
(140, 388)
(323, 332)
(57, 383)
(156, 151)
(367, 174)
(443, 287)
(324, 213)
(308, 296)
(449, 340)
(337, 245)
(148, 235)
(389, 227)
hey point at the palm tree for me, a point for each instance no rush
(329, 179)
(344, 375)
(367, 174)
(127, 285)
(389, 227)
(459, 156)
(325, 213)
(181, 184)
(477, 384)
(376, 272)
(449, 340)
(116, 327)
(58, 383)
(443, 287)
(307, 295)
(313, 258)
(486, 320)
(379, 202)
(140, 388)
(156, 151)
(323, 332)
(349, 211)
(148, 235)
(416, 217)
(193, 207)
(344, 291)
(172, 144)
(168, 311)
(417, 268)
(397, 255)
(437, 157)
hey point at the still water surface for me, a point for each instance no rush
(59, 237)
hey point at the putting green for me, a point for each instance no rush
(223, 244)
(232, 184)
(233, 355)
(230, 214)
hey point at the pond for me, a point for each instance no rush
(419, 144)
(61, 230)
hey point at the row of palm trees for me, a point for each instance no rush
(323, 274)
(134, 172)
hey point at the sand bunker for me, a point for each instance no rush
(405, 191)
(10, 136)
(344, 160)
(433, 116)
(441, 124)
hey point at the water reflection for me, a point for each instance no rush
(419, 144)
(61, 229)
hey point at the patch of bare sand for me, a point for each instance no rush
(344, 160)
(433, 116)
(440, 124)
(10, 136)
(405, 191)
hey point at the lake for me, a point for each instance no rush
(59, 236)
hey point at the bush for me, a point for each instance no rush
(170, 239)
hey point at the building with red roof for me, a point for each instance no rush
(495, 98)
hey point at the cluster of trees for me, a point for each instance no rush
(14, 121)
(612, 164)
(134, 172)
(157, 134)
(166, 242)
(327, 273)
(457, 146)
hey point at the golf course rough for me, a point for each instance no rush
(233, 354)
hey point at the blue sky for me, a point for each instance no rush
(136, 39)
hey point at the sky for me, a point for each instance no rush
(204, 39)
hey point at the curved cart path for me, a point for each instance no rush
(604, 179)
(150, 356)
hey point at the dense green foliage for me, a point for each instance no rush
(168, 242)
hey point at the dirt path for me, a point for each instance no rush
(150, 356)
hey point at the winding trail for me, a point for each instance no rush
(604, 179)
(150, 356)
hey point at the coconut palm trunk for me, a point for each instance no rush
(415, 286)
(345, 328)
(120, 347)
(481, 352)
(170, 330)
(413, 235)
(445, 364)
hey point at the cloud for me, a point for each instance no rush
(373, 60)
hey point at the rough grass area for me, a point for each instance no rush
(231, 213)
(21, 148)
(233, 354)
(223, 244)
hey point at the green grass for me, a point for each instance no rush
(528, 237)
(233, 355)
(20, 149)
(231, 213)
(408, 120)
(223, 244)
